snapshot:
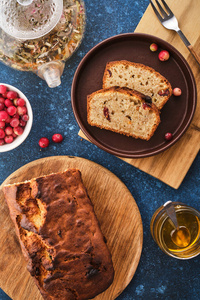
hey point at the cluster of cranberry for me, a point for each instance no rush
(13, 115)
(163, 56)
(56, 138)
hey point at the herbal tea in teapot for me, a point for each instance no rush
(40, 35)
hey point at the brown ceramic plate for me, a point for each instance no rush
(177, 113)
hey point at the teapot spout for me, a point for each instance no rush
(51, 72)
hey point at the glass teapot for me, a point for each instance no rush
(40, 35)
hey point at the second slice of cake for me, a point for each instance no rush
(140, 78)
(124, 111)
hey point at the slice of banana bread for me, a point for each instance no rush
(140, 78)
(60, 236)
(124, 111)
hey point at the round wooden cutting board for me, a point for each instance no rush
(116, 210)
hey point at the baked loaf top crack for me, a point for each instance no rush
(60, 236)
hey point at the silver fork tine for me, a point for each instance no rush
(169, 21)
(167, 8)
(161, 10)
(156, 12)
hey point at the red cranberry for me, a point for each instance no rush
(8, 119)
(5, 95)
(11, 110)
(2, 106)
(25, 118)
(146, 105)
(2, 100)
(2, 124)
(18, 130)
(44, 142)
(168, 136)
(2, 142)
(57, 138)
(21, 102)
(163, 55)
(3, 115)
(3, 89)
(177, 91)
(163, 92)
(12, 95)
(14, 135)
(22, 123)
(16, 116)
(8, 103)
(153, 47)
(9, 139)
(2, 133)
(22, 110)
(8, 130)
(14, 122)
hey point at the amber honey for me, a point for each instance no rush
(183, 242)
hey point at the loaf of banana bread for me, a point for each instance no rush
(60, 236)
(138, 77)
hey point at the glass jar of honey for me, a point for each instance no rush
(182, 242)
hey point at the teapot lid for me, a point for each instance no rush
(29, 19)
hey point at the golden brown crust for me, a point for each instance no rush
(126, 64)
(60, 236)
(130, 93)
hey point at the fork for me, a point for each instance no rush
(169, 21)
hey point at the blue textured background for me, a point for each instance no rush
(158, 276)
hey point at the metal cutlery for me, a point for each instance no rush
(169, 21)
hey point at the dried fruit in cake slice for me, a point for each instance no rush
(140, 78)
(124, 111)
